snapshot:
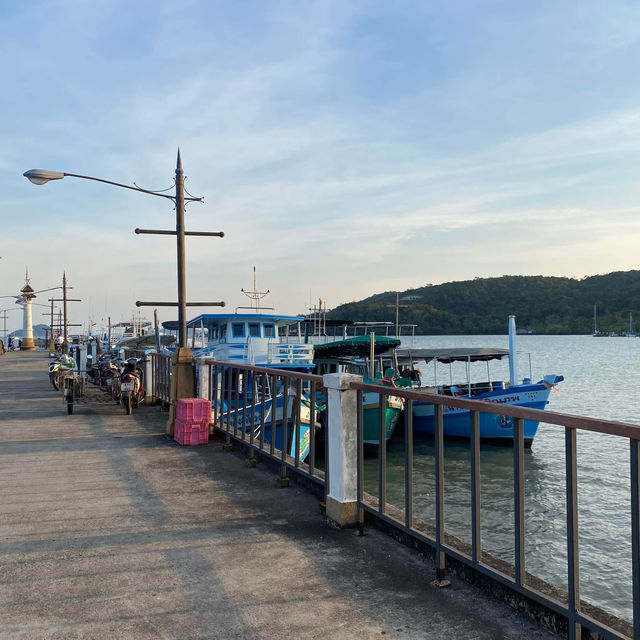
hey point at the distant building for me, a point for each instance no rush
(410, 298)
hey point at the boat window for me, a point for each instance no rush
(269, 331)
(254, 330)
(237, 330)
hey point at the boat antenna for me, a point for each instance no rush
(255, 296)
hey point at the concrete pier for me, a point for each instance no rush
(109, 529)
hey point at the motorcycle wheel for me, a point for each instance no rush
(126, 401)
(53, 377)
(70, 408)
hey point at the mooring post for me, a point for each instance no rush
(342, 499)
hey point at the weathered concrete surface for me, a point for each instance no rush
(108, 529)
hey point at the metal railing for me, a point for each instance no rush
(278, 413)
(290, 352)
(514, 576)
(162, 369)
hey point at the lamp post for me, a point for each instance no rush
(182, 382)
(3, 313)
(42, 176)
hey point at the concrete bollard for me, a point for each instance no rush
(341, 501)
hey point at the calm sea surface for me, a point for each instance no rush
(601, 380)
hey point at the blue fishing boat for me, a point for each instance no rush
(259, 337)
(457, 422)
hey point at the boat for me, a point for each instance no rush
(596, 333)
(259, 337)
(363, 355)
(495, 429)
(631, 333)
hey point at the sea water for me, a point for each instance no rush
(601, 381)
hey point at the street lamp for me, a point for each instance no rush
(42, 176)
(3, 315)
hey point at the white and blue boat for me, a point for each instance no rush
(457, 422)
(261, 339)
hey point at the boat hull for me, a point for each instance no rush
(456, 423)
(371, 417)
(252, 419)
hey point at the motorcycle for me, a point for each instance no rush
(131, 387)
(58, 368)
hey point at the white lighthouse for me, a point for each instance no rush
(27, 294)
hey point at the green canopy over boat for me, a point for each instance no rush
(360, 346)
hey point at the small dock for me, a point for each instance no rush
(109, 529)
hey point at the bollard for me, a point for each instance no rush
(342, 499)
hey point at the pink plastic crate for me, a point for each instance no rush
(196, 409)
(189, 432)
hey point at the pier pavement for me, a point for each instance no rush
(108, 529)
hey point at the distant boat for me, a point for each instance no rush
(631, 333)
(596, 333)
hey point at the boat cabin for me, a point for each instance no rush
(250, 338)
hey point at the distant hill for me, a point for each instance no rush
(481, 306)
(39, 331)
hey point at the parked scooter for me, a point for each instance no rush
(58, 367)
(131, 387)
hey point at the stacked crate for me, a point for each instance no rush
(192, 421)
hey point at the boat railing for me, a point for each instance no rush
(568, 611)
(249, 401)
(281, 352)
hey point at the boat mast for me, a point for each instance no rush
(513, 371)
(255, 296)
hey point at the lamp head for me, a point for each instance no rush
(41, 176)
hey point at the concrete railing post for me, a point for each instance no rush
(342, 412)
(182, 382)
(204, 379)
(148, 380)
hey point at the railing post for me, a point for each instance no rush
(342, 408)
(204, 379)
(148, 380)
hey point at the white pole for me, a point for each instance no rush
(513, 369)
(372, 356)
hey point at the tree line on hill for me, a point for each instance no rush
(541, 304)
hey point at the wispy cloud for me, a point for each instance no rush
(342, 149)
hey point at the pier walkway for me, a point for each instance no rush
(108, 529)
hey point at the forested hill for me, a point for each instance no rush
(481, 306)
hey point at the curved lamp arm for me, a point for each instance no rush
(42, 176)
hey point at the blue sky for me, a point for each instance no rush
(345, 148)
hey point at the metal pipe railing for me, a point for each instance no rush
(258, 406)
(435, 535)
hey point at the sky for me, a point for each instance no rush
(344, 148)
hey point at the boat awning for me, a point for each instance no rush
(219, 318)
(460, 354)
(354, 347)
(146, 341)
